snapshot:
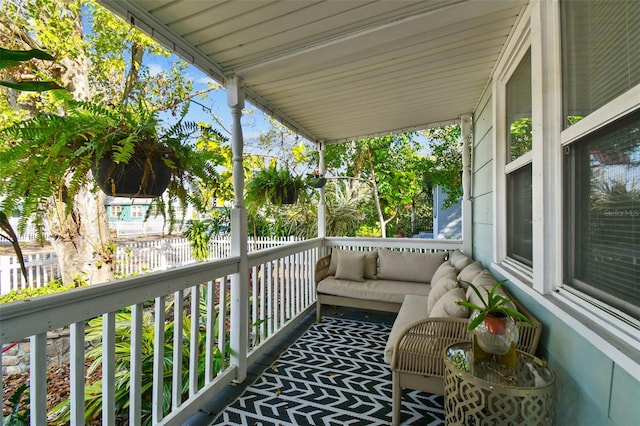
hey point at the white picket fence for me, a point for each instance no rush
(131, 258)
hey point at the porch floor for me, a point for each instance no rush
(230, 407)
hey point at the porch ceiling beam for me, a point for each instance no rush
(368, 30)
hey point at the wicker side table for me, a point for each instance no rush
(488, 393)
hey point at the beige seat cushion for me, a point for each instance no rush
(403, 266)
(414, 308)
(380, 290)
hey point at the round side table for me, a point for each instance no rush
(489, 393)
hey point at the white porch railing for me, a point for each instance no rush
(189, 307)
(135, 257)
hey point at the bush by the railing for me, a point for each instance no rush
(51, 287)
(60, 415)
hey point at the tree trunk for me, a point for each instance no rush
(81, 237)
(376, 195)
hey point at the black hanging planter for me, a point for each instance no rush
(285, 195)
(138, 178)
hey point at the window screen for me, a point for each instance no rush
(600, 53)
(602, 214)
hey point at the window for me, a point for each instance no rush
(137, 211)
(601, 165)
(602, 179)
(600, 54)
(115, 211)
(518, 169)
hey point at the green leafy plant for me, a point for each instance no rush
(14, 58)
(53, 155)
(18, 415)
(93, 391)
(275, 185)
(494, 305)
(51, 287)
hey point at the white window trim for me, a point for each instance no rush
(615, 338)
(517, 47)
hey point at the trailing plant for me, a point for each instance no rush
(53, 155)
(199, 234)
(493, 305)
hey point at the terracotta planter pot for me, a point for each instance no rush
(137, 179)
(496, 325)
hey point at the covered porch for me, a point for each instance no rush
(339, 71)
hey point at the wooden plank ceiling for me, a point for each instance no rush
(340, 69)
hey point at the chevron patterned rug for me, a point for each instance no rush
(334, 374)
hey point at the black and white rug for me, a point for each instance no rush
(334, 374)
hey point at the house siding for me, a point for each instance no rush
(590, 388)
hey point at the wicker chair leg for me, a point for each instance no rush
(396, 398)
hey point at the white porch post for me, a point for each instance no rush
(239, 281)
(322, 207)
(467, 219)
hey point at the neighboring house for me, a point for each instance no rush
(447, 222)
(121, 209)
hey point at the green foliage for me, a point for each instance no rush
(199, 233)
(18, 417)
(51, 287)
(273, 185)
(93, 392)
(443, 166)
(521, 137)
(493, 305)
(52, 155)
(13, 58)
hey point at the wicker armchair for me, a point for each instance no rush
(418, 361)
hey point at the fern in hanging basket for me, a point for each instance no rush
(277, 186)
(55, 155)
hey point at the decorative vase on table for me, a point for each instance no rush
(496, 335)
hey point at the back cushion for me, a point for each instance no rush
(459, 260)
(371, 265)
(402, 266)
(440, 288)
(469, 273)
(447, 306)
(442, 271)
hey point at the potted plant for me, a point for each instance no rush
(55, 155)
(275, 185)
(493, 322)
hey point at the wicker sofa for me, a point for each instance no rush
(423, 289)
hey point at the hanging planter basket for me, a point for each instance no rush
(285, 195)
(139, 178)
